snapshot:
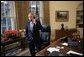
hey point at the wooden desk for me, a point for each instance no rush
(44, 52)
(62, 33)
(22, 40)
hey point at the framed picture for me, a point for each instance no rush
(61, 16)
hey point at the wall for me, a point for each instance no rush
(62, 6)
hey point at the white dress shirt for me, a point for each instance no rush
(31, 26)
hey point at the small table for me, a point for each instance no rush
(22, 40)
(44, 52)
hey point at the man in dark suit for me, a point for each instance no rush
(32, 34)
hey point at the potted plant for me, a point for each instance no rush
(12, 34)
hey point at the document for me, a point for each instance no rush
(51, 49)
(65, 44)
(73, 52)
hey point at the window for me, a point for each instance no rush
(7, 15)
(34, 6)
(38, 10)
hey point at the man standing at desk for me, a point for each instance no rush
(32, 33)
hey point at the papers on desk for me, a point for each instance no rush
(65, 44)
(51, 49)
(73, 52)
(59, 47)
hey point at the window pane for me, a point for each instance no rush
(33, 6)
(3, 29)
(3, 24)
(33, 2)
(37, 2)
(6, 16)
(3, 21)
(9, 23)
(7, 9)
(2, 9)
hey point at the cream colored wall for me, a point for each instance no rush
(63, 6)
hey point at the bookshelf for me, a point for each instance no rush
(79, 17)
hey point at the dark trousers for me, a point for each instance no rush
(32, 48)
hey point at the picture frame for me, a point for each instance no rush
(62, 16)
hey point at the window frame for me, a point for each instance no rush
(10, 16)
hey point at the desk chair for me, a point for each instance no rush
(45, 36)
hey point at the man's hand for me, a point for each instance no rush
(34, 21)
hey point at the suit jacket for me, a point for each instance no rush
(35, 35)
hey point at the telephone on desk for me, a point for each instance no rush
(71, 42)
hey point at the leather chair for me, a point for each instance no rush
(45, 36)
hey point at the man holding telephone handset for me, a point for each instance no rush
(32, 33)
